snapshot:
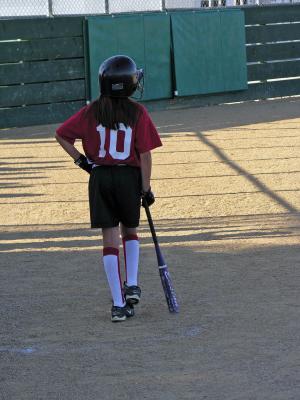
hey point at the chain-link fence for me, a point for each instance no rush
(23, 8)
(19, 8)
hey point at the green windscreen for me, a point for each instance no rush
(209, 51)
(144, 37)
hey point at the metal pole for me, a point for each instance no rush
(106, 6)
(50, 8)
(163, 5)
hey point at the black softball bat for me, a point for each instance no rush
(162, 267)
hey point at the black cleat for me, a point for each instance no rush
(132, 294)
(121, 313)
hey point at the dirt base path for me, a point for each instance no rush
(227, 215)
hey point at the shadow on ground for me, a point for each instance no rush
(236, 333)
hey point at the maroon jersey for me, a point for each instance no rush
(104, 146)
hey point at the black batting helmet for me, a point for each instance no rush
(119, 76)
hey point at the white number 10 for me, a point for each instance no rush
(117, 155)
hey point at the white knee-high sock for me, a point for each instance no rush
(112, 269)
(131, 246)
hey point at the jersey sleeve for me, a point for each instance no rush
(147, 137)
(72, 128)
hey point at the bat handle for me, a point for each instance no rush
(160, 258)
(150, 221)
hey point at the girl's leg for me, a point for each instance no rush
(111, 237)
(131, 254)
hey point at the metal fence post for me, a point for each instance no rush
(50, 8)
(163, 5)
(106, 6)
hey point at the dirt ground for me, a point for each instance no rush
(227, 184)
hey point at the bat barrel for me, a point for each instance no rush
(168, 289)
(163, 269)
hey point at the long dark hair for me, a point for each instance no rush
(111, 111)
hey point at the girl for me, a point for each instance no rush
(117, 136)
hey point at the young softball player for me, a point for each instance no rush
(117, 136)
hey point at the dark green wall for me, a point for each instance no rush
(42, 70)
(44, 79)
(263, 29)
(144, 37)
(209, 51)
(208, 48)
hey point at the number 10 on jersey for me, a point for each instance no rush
(115, 136)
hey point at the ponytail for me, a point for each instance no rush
(111, 111)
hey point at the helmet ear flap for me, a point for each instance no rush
(140, 74)
(140, 83)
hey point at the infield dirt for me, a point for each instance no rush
(227, 215)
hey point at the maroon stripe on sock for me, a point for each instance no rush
(130, 237)
(124, 249)
(113, 251)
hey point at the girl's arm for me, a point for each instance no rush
(68, 147)
(79, 159)
(146, 166)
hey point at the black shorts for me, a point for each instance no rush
(115, 196)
